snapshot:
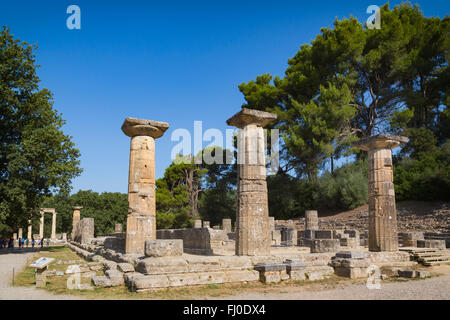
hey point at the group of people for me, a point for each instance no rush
(22, 243)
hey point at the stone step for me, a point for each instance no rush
(414, 250)
(435, 263)
(429, 259)
(430, 254)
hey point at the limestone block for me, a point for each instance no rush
(323, 234)
(297, 275)
(125, 267)
(150, 282)
(226, 225)
(200, 264)
(409, 239)
(73, 269)
(271, 271)
(351, 254)
(109, 265)
(436, 244)
(41, 277)
(101, 281)
(241, 275)
(197, 223)
(163, 248)
(152, 266)
(325, 245)
(95, 266)
(115, 276)
(316, 275)
(118, 228)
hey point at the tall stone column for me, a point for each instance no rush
(253, 237)
(41, 226)
(53, 212)
(30, 229)
(382, 209)
(20, 233)
(141, 220)
(75, 219)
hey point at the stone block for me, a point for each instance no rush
(101, 281)
(351, 254)
(269, 266)
(152, 266)
(109, 265)
(125, 267)
(435, 244)
(115, 276)
(407, 273)
(422, 273)
(323, 234)
(297, 274)
(150, 282)
(325, 245)
(315, 275)
(163, 248)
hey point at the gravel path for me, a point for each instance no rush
(17, 260)
(436, 288)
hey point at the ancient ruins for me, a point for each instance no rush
(257, 247)
(141, 220)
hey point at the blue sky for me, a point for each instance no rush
(176, 62)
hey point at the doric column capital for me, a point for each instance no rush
(250, 116)
(381, 141)
(133, 127)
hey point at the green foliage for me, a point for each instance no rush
(351, 81)
(36, 157)
(345, 189)
(425, 177)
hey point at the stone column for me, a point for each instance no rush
(253, 236)
(206, 224)
(311, 220)
(41, 226)
(53, 225)
(20, 233)
(141, 220)
(118, 228)
(226, 225)
(75, 219)
(382, 210)
(197, 223)
(30, 230)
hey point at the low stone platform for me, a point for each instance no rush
(147, 273)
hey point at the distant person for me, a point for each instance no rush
(32, 242)
(42, 243)
(27, 242)
(48, 242)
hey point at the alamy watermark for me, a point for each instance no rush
(252, 146)
(74, 20)
(374, 21)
